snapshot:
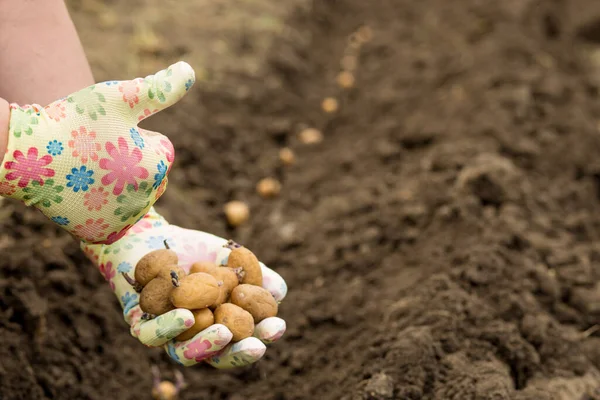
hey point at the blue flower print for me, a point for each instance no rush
(171, 352)
(129, 301)
(109, 83)
(160, 176)
(189, 84)
(124, 267)
(80, 179)
(60, 220)
(225, 260)
(55, 148)
(157, 242)
(137, 138)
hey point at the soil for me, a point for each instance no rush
(442, 242)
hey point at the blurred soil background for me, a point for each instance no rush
(440, 240)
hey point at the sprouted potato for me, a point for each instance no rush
(150, 265)
(230, 294)
(195, 291)
(227, 278)
(241, 257)
(256, 300)
(236, 319)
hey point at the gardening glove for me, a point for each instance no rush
(84, 162)
(211, 345)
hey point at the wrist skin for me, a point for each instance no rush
(42, 58)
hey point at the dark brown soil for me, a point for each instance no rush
(442, 242)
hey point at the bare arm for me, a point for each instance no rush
(41, 57)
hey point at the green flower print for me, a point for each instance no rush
(126, 211)
(21, 121)
(166, 323)
(158, 85)
(116, 247)
(87, 100)
(45, 195)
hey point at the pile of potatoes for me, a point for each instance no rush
(230, 294)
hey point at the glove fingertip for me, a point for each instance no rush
(184, 70)
(163, 328)
(274, 283)
(240, 354)
(270, 330)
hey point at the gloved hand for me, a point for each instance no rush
(83, 161)
(211, 345)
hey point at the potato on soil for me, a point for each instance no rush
(155, 297)
(286, 156)
(311, 136)
(202, 319)
(268, 187)
(165, 390)
(198, 290)
(241, 257)
(149, 266)
(345, 79)
(256, 300)
(329, 105)
(236, 212)
(236, 319)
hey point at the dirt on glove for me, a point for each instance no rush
(440, 242)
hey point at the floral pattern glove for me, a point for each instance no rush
(83, 161)
(211, 345)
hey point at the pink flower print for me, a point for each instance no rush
(7, 189)
(91, 254)
(114, 236)
(196, 252)
(84, 145)
(92, 229)
(168, 150)
(26, 107)
(123, 166)
(130, 90)
(133, 317)
(198, 350)
(95, 199)
(141, 226)
(56, 111)
(108, 272)
(161, 189)
(146, 113)
(28, 168)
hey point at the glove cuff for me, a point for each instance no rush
(25, 169)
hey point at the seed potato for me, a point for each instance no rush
(236, 319)
(204, 266)
(256, 300)
(241, 257)
(149, 266)
(195, 291)
(165, 272)
(202, 319)
(229, 280)
(155, 297)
